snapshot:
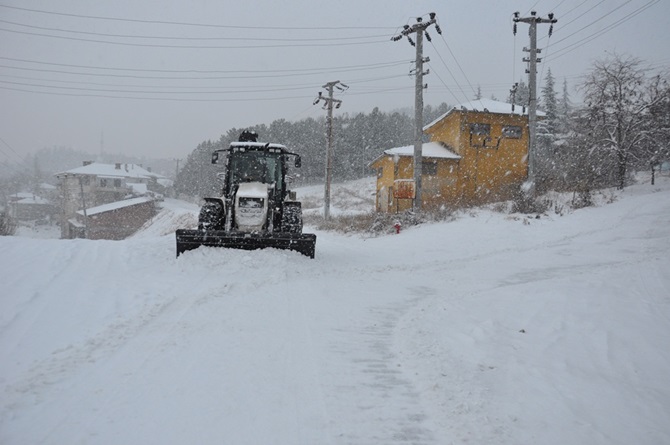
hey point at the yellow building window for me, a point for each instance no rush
(480, 129)
(512, 132)
(429, 168)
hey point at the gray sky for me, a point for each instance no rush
(155, 78)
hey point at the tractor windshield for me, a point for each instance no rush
(255, 166)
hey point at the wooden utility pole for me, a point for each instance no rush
(420, 28)
(329, 136)
(533, 60)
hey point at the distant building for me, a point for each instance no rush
(28, 206)
(95, 184)
(478, 152)
(114, 221)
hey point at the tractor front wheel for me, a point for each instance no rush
(212, 216)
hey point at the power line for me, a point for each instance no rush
(445, 85)
(593, 22)
(293, 72)
(572, 10)
(19, 169)
(162, 99)
(203, 25)
(567, 49)
(11, 148)
(156, 45)
(135, 36)
(236, 91)
(255, 87)
(458, 64)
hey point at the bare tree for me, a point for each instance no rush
(657, 143)
(618, 101)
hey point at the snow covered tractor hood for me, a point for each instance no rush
(251, 202)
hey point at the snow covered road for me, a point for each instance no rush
(489, 329)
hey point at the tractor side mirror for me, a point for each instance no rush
(298, 162)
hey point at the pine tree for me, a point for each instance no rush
(564, 110)
(549, 104)
(522, 95)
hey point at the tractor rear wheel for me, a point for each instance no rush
(292, 217)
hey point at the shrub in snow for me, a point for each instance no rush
(7, 224)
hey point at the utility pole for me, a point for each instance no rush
(420, 28)
(329, 136)
(533, 20)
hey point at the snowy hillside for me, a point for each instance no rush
(490, 329)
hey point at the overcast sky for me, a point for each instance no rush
(154, 78)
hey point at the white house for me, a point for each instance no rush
(95, 184)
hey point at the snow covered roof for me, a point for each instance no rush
(485, 106)
(33, 200)
(428, 150)
(75, 223)
(111, 170)
(257, 145)
(165, 182)
(115, 205)
(140, 189)
(21, 195)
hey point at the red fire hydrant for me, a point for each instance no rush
(397, 227)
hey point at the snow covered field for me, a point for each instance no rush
(491, 329)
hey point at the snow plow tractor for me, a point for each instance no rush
(256, 210)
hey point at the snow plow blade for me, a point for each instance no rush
(305, 243)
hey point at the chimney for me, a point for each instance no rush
(87, 163)
(117, 166)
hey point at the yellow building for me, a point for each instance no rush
(478, 152)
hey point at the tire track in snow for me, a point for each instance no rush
(368, 395)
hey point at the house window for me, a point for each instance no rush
(511, 132)
(480, 129)
(103, 182)
(429, 168)
(117, 183)
(85, 180)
